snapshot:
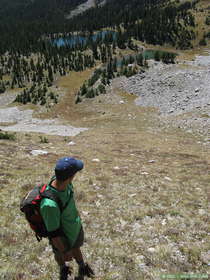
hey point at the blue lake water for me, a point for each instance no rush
(77, 39)
(147, 54)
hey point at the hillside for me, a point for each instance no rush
(134, 105)
(35, 10)
(143, 195)
(84, 7)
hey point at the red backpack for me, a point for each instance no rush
(30, 206)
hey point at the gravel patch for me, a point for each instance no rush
(7, 98)
(181, 92)
(13, 119)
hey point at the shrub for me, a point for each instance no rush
(78, 100)
(208, 35)
(203, 42)
(7, 135)
(101, 89)
(207, 20)
(43, 139)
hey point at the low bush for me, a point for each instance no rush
(43, 139)
(8, 136)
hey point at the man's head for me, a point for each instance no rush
(67, 167)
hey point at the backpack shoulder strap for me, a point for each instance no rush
(51, 195)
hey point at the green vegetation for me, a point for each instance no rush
(208, 35)
(203, 42)
(126, 66)
(37, 95)
(2, 87)
(43, 139)
(7, 136)
(155, 22)
(30, 58)
(207, 20)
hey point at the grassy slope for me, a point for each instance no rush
(149, 190)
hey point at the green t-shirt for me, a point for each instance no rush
(68, 220)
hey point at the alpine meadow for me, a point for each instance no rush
(124, 88)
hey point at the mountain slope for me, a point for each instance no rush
(85, 6)
(35, 9)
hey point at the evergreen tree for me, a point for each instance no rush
(157, 56)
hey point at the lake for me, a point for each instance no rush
(78, 39)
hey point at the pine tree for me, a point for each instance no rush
(157, 56)
(83, 90)
(50, 74)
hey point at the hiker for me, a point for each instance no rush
(65, 231)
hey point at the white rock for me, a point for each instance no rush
(201, 212)
(98, 203)
(171, 111)
(116, 168)
(96, 160)
(140, 261)
(197, 90)
(163, 222)
(151, 250)
(151, 161)
(85, 213)
(132, 195)
(122, 102)
(139, 258)
(72, 143)
(167, 178)
(123, 223)
(38, 152)
(136, 226)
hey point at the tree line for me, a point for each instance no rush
(126, 66)
(31, 59)
(154, 21)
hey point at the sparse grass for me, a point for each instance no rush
(200, 16)
(205, 116)
(123, 216)
(141, 218)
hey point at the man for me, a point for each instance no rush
(65, 228)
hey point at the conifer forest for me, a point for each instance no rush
(31, 59)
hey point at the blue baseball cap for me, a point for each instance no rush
(67, 167)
